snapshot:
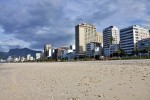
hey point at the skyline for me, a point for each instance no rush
(33, 23)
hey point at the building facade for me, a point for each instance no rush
(111, 49)
(84, 34)
(144, 44)
(130, 36)
(47, 50)
(110, 36)
(38, 56)
(93, 49)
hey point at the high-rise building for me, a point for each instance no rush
(99, 38)
(84, 34)
(47, 48)
(110, 36)
(130, 36)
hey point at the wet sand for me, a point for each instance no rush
(89, 80)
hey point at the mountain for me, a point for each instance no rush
(18, 52)
(3, 55)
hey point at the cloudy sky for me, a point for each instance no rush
(33, 23)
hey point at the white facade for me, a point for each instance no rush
(47, 48)
(28, 57)
(130, 36)
(23, 59)
(2, 61)
(110, 36)
(16, 59)
(38, 56)
(31, 58)
(72, 47)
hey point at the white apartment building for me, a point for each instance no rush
(47, 48)
(23, 59)
(38, 56)
(28, 57)
(84, 34)
(110, 36)
(130, 36)
(72, 47)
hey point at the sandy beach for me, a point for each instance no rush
(89, 80)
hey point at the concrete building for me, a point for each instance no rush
(16, 59)
(72, 47)
(144, 44)
(9, 59)
(31, 58)
(93, 49)
(99, 38)
(130, 36)
(38, 56)
(110, 36)
(111, 49)
(85, 33)
(23, 59)
(28, 57)
(47, 48)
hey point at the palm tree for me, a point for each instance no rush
(111, 40)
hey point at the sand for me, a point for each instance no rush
(89, 80)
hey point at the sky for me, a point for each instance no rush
(34, 23)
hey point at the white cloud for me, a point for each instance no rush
(37, 22)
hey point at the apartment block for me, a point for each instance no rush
(110, 36)
(130, 36)
(47, 50)
(84, 34)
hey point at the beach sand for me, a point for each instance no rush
(88, 80)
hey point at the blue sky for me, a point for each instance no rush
(33, 23)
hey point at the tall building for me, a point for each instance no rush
(110, 36)
(130, 36)
(47, 48)
(99, 38)
(84, 34)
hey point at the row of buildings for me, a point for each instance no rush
(63, 52)
(90, 43)
(110, 40)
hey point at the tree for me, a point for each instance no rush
(111, 40)
(122, 52)
(135, 52)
